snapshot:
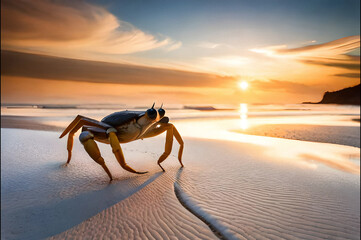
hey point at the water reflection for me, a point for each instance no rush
(243, 110)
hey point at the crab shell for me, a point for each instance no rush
(128, 125)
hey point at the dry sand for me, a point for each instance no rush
(228, 189)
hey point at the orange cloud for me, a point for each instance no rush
(349, 75)
(333, 48)
(327, 54)
(54, 27)
(57, 68)
(32, 90)
(286, 86)
(348, 62)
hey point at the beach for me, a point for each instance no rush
(234, 185)
(125, 120)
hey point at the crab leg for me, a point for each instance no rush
(88, 121)
(171, 131)
(69, 146)
(74, 126)
(168, 146)
(117, 150)
(87, 139)
(71, 125)
(181, 144)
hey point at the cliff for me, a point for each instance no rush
(350, 96)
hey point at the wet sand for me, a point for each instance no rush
(344, 135)
(22, 122)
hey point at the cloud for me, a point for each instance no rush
(333, 48)
(327, 54)
(55, 68)
(229, 60)
(188, 94)
(348, 64)
(56, 26)
(349, 75)
(210, 45)
(174, 46)
(224, 64)
(285, 86)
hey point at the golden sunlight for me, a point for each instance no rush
(243, 110)
(243, 85)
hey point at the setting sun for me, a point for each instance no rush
(243, 85)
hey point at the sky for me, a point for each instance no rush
(185, 52)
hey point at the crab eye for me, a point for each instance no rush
(152, 113)
(161, 112)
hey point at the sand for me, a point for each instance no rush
(41, 197)
(230, 188)
(345, 135)
(26, 122)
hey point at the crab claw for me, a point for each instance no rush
(141, 172)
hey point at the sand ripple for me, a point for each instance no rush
(262, 200)
(232, 186)
(152, 213)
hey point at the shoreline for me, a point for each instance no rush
(342, 135)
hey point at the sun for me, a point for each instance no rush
(243, 85)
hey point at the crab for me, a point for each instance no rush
(122, 127)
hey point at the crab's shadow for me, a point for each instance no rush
(57, 217)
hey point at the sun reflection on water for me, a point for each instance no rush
(243, 110)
